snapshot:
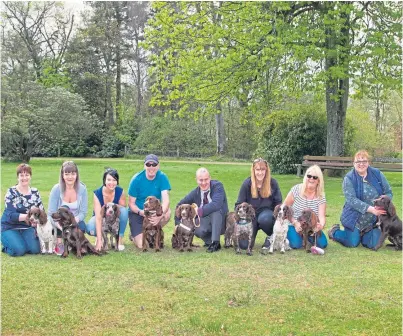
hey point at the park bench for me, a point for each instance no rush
(345, 162)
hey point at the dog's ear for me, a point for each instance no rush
(158, 209)
(236, 216)
(251, 211)
(276, 210)
(178, 211)
(289, 212)
(43, 218)
(72, 219)
(103, 211)
(117, 210)
(192, 212)
(314, 220)
(28, 215)
(391, 209)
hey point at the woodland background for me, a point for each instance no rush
(199, 79)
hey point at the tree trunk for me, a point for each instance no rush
(220, 130)
(337, 87)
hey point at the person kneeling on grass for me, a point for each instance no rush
(212, 204)
(69, 192)
(148, 182)
(361, 186)
(110, 192)
(17, 236)
(310, 194)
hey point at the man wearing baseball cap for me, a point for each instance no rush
(148, 182)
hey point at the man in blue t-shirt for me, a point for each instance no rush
(149, 182)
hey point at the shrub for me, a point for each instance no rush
(289, 135)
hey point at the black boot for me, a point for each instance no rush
(214, 247)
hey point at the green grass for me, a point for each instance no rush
(345, 292)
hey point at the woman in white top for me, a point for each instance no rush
(310, 194)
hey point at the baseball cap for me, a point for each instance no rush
(151, 158)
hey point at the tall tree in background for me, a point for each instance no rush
(44, 28)
(138, 14)
(309, 46)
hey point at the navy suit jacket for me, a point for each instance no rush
(218, 200)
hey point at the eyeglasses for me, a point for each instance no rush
(313, 177)
(364, 162)
(149, 164)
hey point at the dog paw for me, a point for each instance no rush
(181, 250)
(190, 250)
(145, 250)
(249, 253)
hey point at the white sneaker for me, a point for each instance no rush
(121, 247)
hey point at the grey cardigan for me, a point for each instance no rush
(55, 201)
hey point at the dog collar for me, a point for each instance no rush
(243, 222)
(184, 226)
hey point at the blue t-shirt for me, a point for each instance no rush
(140, 187)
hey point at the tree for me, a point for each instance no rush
(43, 28)
(291, 47)
(44, 117)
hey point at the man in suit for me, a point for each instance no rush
(212, 209)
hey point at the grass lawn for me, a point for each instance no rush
(344, 292)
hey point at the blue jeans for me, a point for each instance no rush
(123, 217)
(19, 242)
(350, 238)
(295, 239)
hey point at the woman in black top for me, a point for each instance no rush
(263, 193)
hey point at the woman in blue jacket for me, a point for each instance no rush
(361, 186)
(17, 236)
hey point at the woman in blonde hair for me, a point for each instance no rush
(308, 194)
(263, 193)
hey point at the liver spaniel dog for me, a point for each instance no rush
(153, 236)
(185, 230)
(390, 224)
(309, 222)
(278, 241)
(44, 229)
(73, 237)
(229, 229)
(110, 225)
(243, 228)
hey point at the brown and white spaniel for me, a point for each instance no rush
(110, 225)
(44, 229)
(278, 241)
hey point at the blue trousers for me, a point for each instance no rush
(90, 228)
(353, 238)
(19, 242)
(295, 239)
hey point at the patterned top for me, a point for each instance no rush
(301, 203)
(370, 193)
(16, 204)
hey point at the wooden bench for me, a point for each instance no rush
(342, 162)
